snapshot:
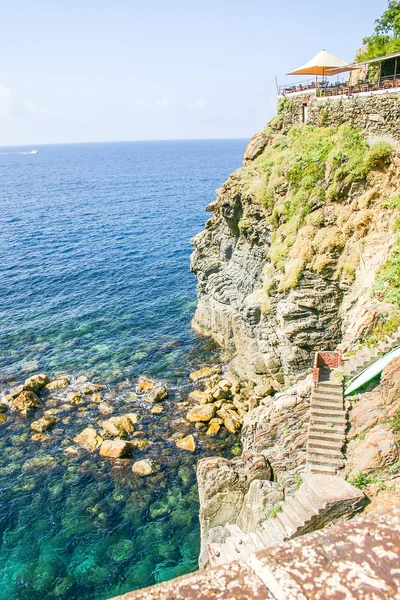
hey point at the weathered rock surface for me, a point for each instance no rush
(26, 402)
(115, 448)
(44, 423)
(88, 439)
(203, 412)
(145, 467)
(205, 372)
(36, 382)
(158, 394)
(57, 384)
(145, 385)
(186, 443)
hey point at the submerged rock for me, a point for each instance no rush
(141, 468)
(38, 463)
(3, 418)
(200, 397)
(205, 372)
(158, 394)
(145, 385)
(115, 448)
(105, 409)
(74, 398)
(57, 384)
(92, 388)
(40, 437)
(88, 439)
(140, 444)
(203, 412)
(213, 428)
(26, 402)
(43, 424)
(187, 443)
(3, 408)
(157, 410)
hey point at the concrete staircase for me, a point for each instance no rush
(326, 434)
(321, 499)
(366, 356)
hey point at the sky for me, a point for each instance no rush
(99, 70)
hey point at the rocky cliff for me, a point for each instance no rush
(287, 263)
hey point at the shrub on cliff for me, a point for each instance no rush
(386, 36)
(378, 155)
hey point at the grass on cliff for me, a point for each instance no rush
(387, 282)
(294, 178)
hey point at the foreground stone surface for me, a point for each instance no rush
(115, 448)
(355, 560)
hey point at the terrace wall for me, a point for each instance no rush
(378, 113)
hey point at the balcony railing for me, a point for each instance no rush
(324, 88)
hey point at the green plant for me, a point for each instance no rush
(378, 154)
(395, 421)
(275, 510)
(387, 282)
(298, 480)
(330, 424)
(339, 375)
(392, 201)
(361, 480)
(286, 430)
(386, 36)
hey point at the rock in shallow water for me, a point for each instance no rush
(141, 468)
(115, 448)
(203, 412)
(158, 394)
(205, 372)
(36, 383)
(57, 384)
(187, 443)
(43, 424)
(88, 439)
(26, 402)
(145, 385)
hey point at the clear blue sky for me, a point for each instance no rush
(76, 71)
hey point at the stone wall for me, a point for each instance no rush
(378, 114)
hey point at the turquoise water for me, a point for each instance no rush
(95, 281)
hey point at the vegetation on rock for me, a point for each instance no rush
(386, 36)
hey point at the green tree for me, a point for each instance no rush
(386, 36)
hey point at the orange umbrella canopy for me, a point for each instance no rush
(322, 64)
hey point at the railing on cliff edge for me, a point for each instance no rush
(324, 88)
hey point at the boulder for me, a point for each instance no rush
(203, 412)
(74, 398)
(232, 420)
(57, 384)
(200, 397)
(213, 428)
(186, 443)
(133, 417)
(145, 385)
(88, 439)
(205, 372)
(26, 402)
(92, 388)
(378, 450)
(158, 394)
(3, 408)
(140, 444)
(112, 426)
(255, 147)
(3, 418)
(43, 424)
(157, 410)
(145, 467)
(105, 409)
(115, 448)
(126, 424)
(36, 383)
(40, 437)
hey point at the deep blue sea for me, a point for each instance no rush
(95, 281)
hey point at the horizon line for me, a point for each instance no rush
(123, 142)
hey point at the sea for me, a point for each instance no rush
(95, 284)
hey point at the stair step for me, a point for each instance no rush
(325, 435)
(331, 390)
(322, 395)
(290, 525)
(326, 419)
(322, 470)
(320, 459)
(256, 540)
(308, 499)
(304, 514)
(330, 452)
(319, 428)
(292, 514)
(277, 530)
(333, 445)
(267, 536)
(220, 554)
(331, 415)
(335, 406)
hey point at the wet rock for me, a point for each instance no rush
(232, 420)
(74, 398)
(112, 427)
(158, 394)
(43, 424)
(200, 425)
(71, 450)
(145, 467)
(145, 385)
(105, 409)
(186, 443)
(115, 448)
(26, 402)
(92, 388)
(3, 407)
(81, 379)
(213, 428)
(3, 418)
(157, 410)
(57, 384)
(40, 437)
(205, 372)
(38, 463)
(36, 383)
(203, 412)
(140, 444)
(96, 397)
(15, 391)
(221, 394)
(133, 417)
(200, 397)
(88, 439)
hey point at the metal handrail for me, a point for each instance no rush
(341, 88)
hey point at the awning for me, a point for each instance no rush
(322, 64)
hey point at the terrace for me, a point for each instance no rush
(384, 76)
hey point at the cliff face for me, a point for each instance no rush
(287, 262)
